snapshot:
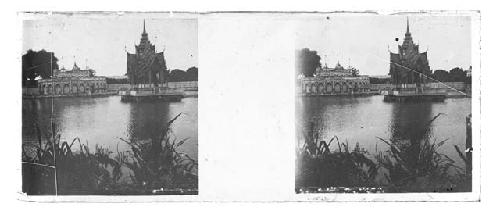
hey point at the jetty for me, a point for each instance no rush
(145, 94)
(414, 95)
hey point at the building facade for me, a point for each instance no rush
(74, 82)
(146, 67)
(334, 81)
(408, 67)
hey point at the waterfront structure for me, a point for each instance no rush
(409, 70)
(146, 71)
(74, 82)
(408, 67)
(146, 68)
(334, 81)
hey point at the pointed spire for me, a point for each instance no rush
(408, 39)
(75, 66)
(407, 25)
(144, 35)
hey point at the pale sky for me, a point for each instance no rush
(364, 40)
(100, 41)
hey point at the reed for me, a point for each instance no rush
(53, 167)
(406, 166)
(418, 166)
(157, 164)
(411, 167)
(318, 164)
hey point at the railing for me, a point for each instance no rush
(445, 85)
(188, 85)
(150, 91)
(416, 91)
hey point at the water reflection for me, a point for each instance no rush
(147, 120)
(410, 122)
(365, 119)
(104, 120)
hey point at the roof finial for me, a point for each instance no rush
(407, 25)
(144, 27)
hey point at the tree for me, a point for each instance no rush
(177, 75)
(38, 63)
(375, 80)
(441, 75)
(457, 75)
(306, 62)
(192, 73)
(117, 80)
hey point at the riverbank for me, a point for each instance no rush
(354, 94)
(366, 120)
(104, 120)
(187, 93)
(406, 166)
(94, 95)
(148, 167)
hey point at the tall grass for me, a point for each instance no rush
(406, 166)
(54, 167)
(418, 167)
(158, 164)
(318, 166)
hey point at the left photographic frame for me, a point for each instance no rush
(109, 104)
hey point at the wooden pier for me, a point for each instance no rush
(150, 95)
(414, 96)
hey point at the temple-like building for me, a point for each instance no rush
(146, 67)
(408, 67)
(74, 82)
(409, 71)
(334, 81)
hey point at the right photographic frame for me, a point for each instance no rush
(384, 103)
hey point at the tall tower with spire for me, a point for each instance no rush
(408, 66)
(408, 41)
(146, 66)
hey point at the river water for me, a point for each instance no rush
(104, 120)
(363, 119)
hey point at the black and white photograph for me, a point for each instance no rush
(271, 108)
(383, 103)
(109, 103)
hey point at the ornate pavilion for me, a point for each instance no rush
(74, 82)
(335, 81)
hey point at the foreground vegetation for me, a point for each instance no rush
(405, 167)
(151, 167)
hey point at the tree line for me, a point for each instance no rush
(41, 64)
(454, 75)
(307, 60)
(37, 64)
(175, 75)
